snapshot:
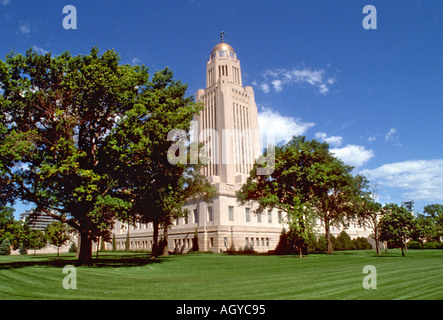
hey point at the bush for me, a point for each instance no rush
(5, 248)
(414, 245)
(433, 245)
(336, 244)
(362, 243)
(346, 241)
(321, 244)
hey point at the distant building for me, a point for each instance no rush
(38, 222)
(409, 205)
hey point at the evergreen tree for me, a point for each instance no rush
(5, 247)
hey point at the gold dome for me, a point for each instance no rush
(222, 47)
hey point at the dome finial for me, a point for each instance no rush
(221, 36)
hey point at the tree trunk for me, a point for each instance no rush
(328, 238)
(96, 254)
(377, 244)
(85, 249)
(165, 242)
(154, 239)
(300, 251)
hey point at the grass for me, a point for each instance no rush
(133, 276)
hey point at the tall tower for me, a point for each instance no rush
(228, 125)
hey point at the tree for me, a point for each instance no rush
(58, 234)
(7, 223)
(5, 247)
(160, 123)
(37, 240)
(346, 241)
(289, 186)
(368, 213)
(435, 213)
(336, 196)
(424, 229)
(396, 224)
(307, 181)
(56, 115)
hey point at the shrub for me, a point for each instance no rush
(433, 245)
(336, 244)
(346, 241)
(321, 243)
(414, 245)
(362, 243)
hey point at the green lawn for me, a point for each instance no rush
(418, 275)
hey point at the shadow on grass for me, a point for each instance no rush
(104, 261)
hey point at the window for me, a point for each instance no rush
(247, 215)
(210, 217)
(225, 240)
(247, 241)
(279, 217)
(211, 242)
(186, 219)
(267, 242)
(231, 213)
(259, 216)
(270, 216)
(195, 215)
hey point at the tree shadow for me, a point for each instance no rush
(104, 261)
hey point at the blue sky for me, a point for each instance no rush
(375, 95)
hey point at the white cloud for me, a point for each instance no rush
(265, 87)
(273, 124)
(282, 77)
(39, 50)
(135, 61)
(5, 2)
(335, 141)
(24, 28)
(277, 84)
(419, 179)
(353, 155)
(391, 135)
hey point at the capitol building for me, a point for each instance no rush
(229, 126)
